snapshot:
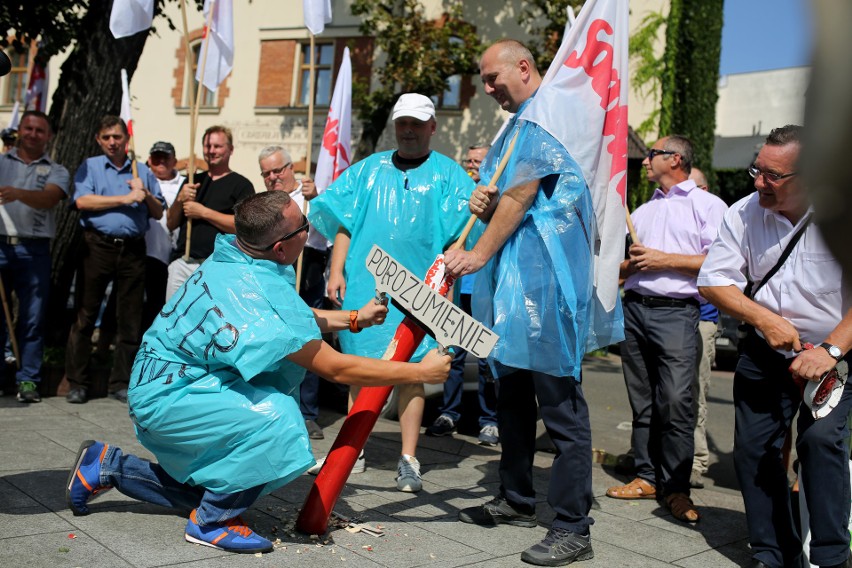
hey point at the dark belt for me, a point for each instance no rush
(115, 241)
(659, 301)
(6, 240)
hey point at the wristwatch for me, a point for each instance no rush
(833, 350)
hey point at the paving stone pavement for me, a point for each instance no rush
(37, 530)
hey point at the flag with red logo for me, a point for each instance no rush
(130, 17)
(125, 103)
(317, 15)
(336, 150)
(582, 102)
(36, 98)
(218, 43)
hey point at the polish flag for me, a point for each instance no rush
(220, 51)
(317, 15)
(582, 102)
(36, 98)
(125, 103)
(336, 150)
(129, 17)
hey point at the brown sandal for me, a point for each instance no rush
(682, 507)
(636, 489)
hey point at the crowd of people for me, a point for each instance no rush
(205, 270)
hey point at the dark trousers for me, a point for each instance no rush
(102, 262)
(454, 387)
(765, 400)
(566, 417)
(658, 357)
(312, 291)
(156, 277)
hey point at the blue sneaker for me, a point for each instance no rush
(84, 481)
(232, 536)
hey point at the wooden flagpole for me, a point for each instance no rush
(308, 157)
(193, 111)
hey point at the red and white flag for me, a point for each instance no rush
(220, 37)
(317, 14)
(336, 150)
(582, 102)
(130, 17)
(125, 103)
(36, 98)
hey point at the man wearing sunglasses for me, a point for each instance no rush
(800, 302)
(276, 169)
(661, 314)
(213, 389)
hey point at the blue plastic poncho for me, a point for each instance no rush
(413, 215)
(211, 393)
(536, 293)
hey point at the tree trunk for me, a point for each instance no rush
(89, 88)
(372, 131)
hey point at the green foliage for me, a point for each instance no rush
(690, 76)
(546, 20)
(732, 184)
(55, 23)
(646, 77)
(419, 55)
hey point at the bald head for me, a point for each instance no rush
(699, 178)
(509, 74)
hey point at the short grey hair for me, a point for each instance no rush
(269, 150)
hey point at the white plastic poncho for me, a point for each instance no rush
(536, 293)
(413, 215)
(211, 393)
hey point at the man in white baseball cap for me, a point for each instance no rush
(412, 202)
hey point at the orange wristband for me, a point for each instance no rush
(353, 322)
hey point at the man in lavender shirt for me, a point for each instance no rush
(661, 311)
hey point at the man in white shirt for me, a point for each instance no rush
(802, 303)
(276, 169)
(160, 242)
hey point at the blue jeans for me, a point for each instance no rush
(27, 267)
(147, 481)
(454, 387)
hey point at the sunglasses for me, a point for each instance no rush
(303, 227)
(653, 153)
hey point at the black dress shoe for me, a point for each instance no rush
(120, 395)
(77, 396)
(314, 430)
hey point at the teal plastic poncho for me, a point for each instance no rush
(211, 393)
(413, 215)
(536, 293)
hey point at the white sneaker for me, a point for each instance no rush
(359, 467)
(408, 474)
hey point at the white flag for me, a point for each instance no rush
(582, 102)
(336, 151)
(220, 53)
(16, 116)
(125, 103)
(130, 17)
(317, 15)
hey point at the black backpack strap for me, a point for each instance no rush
(751, 289)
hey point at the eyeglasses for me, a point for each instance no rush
(652, 153)
(276, 172)
(304, 227)
(473, 162)
(768, 176)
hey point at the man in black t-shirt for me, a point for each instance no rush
(209, 203)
